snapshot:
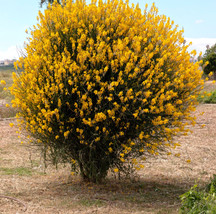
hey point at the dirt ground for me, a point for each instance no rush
(32, 189)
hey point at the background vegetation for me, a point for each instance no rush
(210, 58)
(198, 200)
(5, 95)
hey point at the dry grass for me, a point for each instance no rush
(155, 190)
(209, 86)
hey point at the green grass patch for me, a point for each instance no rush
(22, 171)
(197, 201)
(207, 97)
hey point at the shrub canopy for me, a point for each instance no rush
(105, 83)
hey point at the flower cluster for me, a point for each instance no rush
(104, 83)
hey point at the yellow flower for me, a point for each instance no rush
(210, 74)
(141, 135)
(122, 160)
(135, 115)
(84, 97)
(59, 103)
(109, 98)
(121, 133)
(11, 124)
(141, 150)
(147, 94)
(66, 134)
(110, 149)
(122, 154)
(100, 117)
(132, 143)
(73, 161)
(97, 139)
(3, 82)
(141, 166)
(116, 170)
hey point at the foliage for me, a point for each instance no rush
(211, 66)
(105, 84)
(207, 97)
(210, 50)
(196, 201)
(210, 58)
(48, 2)
(211, 187)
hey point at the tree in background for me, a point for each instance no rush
(210, 50)
(48, 1)
(210, 58)
(103, 85)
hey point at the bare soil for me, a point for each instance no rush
(155, 189)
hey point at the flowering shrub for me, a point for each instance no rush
(104, 84)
